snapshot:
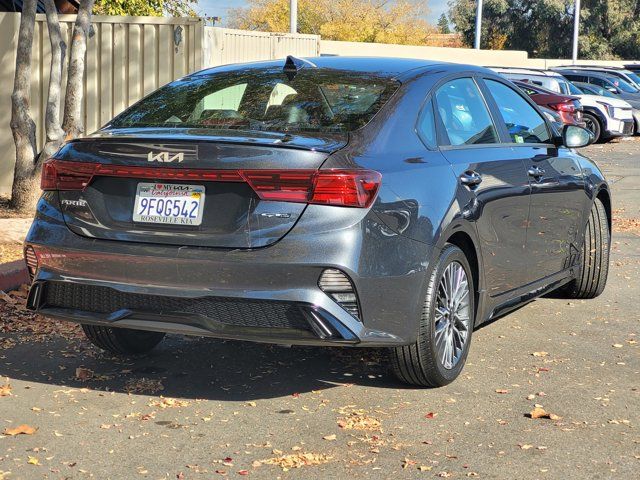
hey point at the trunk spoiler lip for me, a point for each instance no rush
(322, 143)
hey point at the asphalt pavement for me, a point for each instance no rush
(200, 408)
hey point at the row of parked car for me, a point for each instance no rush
(606, 100)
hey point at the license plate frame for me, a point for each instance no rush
(169, 204)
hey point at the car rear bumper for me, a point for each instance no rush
(269, 294)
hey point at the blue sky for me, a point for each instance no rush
(219, 8)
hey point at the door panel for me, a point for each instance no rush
(558, 199)
(499, 206)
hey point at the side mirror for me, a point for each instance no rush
(574, 136)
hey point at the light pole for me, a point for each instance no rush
(293, 16)
(576, 28)
(478, 25)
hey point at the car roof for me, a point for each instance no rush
(592, 67)
(593, 73)
(526, 71)
(391, 67)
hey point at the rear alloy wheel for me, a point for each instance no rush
(594, 262)
(446, 325)
(122, 341)
(593, 125)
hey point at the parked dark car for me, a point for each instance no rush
(634, 67)
(329, 201)
(629, 76)
(567, 106)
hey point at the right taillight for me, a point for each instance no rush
(31, 260)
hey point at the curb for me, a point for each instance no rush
(12, 275)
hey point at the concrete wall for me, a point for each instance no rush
(222, 46)
(456, 55)
(127, 58)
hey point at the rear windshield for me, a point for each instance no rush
(314, 100)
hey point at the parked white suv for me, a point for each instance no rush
(605, 117)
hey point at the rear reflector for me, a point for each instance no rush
(338, 286)
(32, 261)
(346, 188)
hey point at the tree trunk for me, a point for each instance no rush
(73, 124)
(54, 132)
(22, 125)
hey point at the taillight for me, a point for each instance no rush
(346, 188)
(566, 107)
(60, 175)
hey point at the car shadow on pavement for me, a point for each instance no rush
(194, 367)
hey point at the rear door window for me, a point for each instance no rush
(464, 113)
(523, 123)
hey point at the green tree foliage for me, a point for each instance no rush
(608, 29)
(399, 21)
(153, 8)
(443, 24)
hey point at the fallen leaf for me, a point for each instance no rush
(329, 437)
(84, 373)
(539, 354)
(425, 468)
(164, 402)
(33, 461)
(243, 472)
(502, 390)
(617, 345)
(539, 412)
(287, 462)
(525, 446)
(406, 463)
(431, 415)
(20, 430)
(359, 420)
(5, 390)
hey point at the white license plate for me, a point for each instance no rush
(169, 204)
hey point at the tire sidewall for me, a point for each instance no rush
(598, 129)
(448, 255)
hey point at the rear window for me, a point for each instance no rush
(313, 100)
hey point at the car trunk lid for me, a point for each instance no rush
(123, 172)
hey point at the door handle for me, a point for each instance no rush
(535, 172)
(470, 179)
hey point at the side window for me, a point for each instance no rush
(218, 108)
(464, 114)
(427, 126)
(597, 81)
(524, 124)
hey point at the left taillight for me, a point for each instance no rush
(61, 175)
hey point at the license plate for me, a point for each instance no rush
(169, 204)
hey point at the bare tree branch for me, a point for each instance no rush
(73, 124)
(22, 125)
(54, 132)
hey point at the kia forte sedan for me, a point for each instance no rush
(335, 201)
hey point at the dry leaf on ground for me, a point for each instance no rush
(539, 412)
(168, 403)
(540, 354)
(20, 430)
(143, 385)
(5, 390)
(287, 462)
(359, 420)
(84, 373)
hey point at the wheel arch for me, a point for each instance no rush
(605, 197)
(463, 235)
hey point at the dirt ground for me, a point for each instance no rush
(199, 408)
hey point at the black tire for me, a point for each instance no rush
(593, 124)
(594, 262)
(122, 341)
(419, 363)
